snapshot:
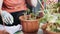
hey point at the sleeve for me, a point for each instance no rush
(58, 0)
(32, 2)
(28, 2)
(1, 2)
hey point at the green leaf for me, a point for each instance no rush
(58, 21)
(45, 0)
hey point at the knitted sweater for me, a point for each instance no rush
(14, 5)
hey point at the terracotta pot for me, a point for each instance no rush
(3, 32)
(29, 26)
(48, 32)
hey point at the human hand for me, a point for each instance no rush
(7, 17)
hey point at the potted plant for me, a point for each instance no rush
(52, 21)
(30, 23)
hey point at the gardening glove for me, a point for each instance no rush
(7, 17)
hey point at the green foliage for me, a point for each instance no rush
(52, 7)
(32, 15)
(43, 20)
(58, 19)
(49, 13)
(45, 0)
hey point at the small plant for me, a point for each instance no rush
(52, 20)
(52, 17)
(31, 16)
(53, 7)
(49, 12)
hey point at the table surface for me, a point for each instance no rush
(39, 32)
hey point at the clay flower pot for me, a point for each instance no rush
(29, 26)
(48, 32)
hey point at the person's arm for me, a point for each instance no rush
(32, 2)
(6, 17)
(1, 2)
(28, 2)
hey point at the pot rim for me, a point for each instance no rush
(53, 32)
(25, 19)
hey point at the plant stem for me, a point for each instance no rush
(25, 16)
